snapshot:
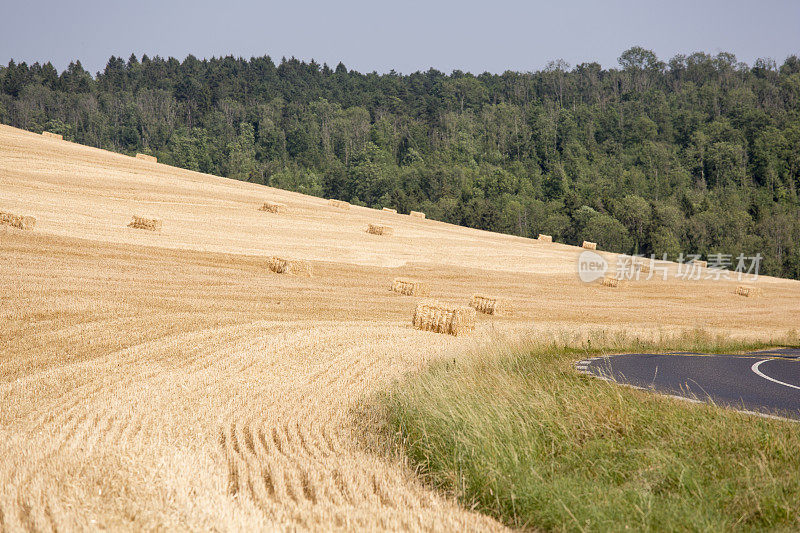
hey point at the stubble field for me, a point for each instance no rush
(170, 380)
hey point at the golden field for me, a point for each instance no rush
(170, 380)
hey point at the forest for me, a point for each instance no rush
(699, 154)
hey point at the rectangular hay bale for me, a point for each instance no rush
(489, 305)
(56, 136)
(409, 287)
(418, 214)
(643, 266)
(376, 229)
(146, 157)
(744, 290)
(390, 210)
(273, 207)
(440, 318)
(590, 245)
(17, 221)
(295, 267)
(545, 238)
(610, 281)
(699, 263)
(339, 204)
(150, 224)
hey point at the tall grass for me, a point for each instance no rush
(517, 433)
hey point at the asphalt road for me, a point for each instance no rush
(766, 381)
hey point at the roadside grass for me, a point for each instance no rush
(517, 433)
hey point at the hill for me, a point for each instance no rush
(159, 379)
(697, 154)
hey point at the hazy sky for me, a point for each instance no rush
(405, 35)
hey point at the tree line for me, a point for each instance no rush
(697, 155)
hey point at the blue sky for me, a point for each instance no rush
(406, 36)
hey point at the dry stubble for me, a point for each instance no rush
(157, 380)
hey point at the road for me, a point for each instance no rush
(766, 381)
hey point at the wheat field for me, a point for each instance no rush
(170, 380)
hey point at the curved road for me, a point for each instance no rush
(766, 381)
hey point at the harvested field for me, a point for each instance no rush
(390, 210)
(182, 386)
(273, 207)
(589, 245)
(17, 221)
(545, 238)
(490, 305)
(409, 287)
(442, 318)
(150, 224)
(146, 157)
(417, 214)
(295, 267)
(376, 229)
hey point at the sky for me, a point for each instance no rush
(402, 35)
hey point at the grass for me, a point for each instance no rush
(518, 434)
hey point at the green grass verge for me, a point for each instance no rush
(518, 434)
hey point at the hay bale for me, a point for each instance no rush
(699, 263)
(409, 287)
(441, 318)
(418, 214)
(295, 267)
(273, 207)
(390, 210)
(590, 245)
(25, 222)
(489, 305)
(545, 238)
(339, 204)
(150, 224)
(642, 266)
(56, 136)
(146, 157)
(17, 221)
(748, 291)
(375, 229)
(610, 281)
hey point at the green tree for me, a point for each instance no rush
(634, 212)
(242, 163)
(608, 232)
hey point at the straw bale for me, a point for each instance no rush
(610, 281)
(151, 224)
(273, 207)
(17, 221)
(409, 287)
(441, 318)
(339, 204)
(146, 157)
(748, 291)
(489, 305)
(295, 267)
(376, 229)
